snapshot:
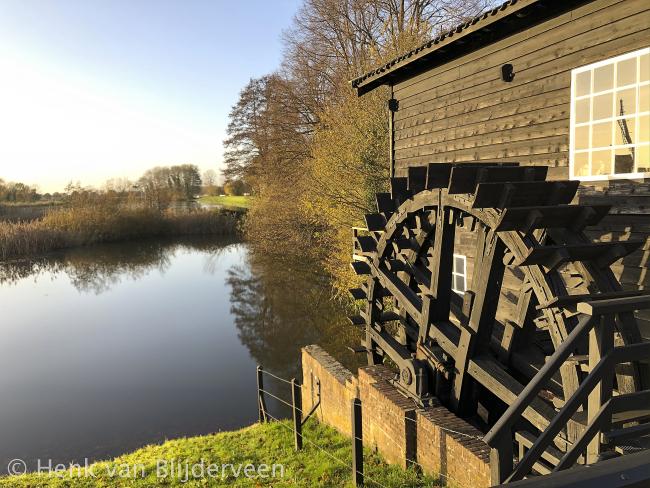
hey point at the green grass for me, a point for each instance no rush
(259, 444)
(227, 201)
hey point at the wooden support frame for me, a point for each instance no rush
(531, 227)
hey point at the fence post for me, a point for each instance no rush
(296, 400)
(357, 443)
(261, 404)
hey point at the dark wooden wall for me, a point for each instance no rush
(463, 111)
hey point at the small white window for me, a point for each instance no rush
(610, 118)
(459, 274)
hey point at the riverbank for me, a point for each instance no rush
(71, 227)
(324, 462)
(227, 201)
(14, 212)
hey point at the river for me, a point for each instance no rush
(108, 348)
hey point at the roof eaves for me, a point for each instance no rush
(375, 77)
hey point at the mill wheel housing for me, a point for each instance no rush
(530, 264)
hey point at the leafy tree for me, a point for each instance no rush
(312, 151)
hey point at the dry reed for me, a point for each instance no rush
(78, 226)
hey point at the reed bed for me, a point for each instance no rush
(69, 227)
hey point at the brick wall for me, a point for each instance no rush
(434, 438)
(455, 452)
(338, 387)
(388, 416)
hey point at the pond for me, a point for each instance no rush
(108, 348)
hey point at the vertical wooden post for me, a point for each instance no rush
(392, 108)
(501, 460)
(357, 443)
(601, 342)
(261, 404)
(296, 401)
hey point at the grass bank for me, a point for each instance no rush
(266, 444)
(227, 201)
(69, 227)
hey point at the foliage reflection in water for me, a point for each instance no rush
(111, 347)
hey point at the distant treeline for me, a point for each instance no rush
(19, 192)
(313, 152)
(121, 210)
(157, 188)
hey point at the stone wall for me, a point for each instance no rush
(433, 438)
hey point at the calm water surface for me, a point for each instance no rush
(112, 347)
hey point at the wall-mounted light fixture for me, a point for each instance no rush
(393, 105)
(507, 72)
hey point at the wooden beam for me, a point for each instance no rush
(629, 471)
(603, 254)
(438, 175)
(601, 342)
(524, 194)
(615, 305)
(493, 377)
(486, 285)
(436, 303)
(417, 179)
(571, 301)
(526, 219)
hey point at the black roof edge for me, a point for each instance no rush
(509, 18)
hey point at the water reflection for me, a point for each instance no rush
(111, 347)
(279, 307)
(96, 269)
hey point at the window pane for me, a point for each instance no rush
(644, 98)
(624, 160)
(583, 83)
(642, 154)
(582, 137)
(604, 78)
(644, 69)
(459, 283)
(459, 265)
(625, 133)
(626, 102)
(626, 72)
(603, 107)
(582, 110)
(581, 164)
(644, 128)
(601, 162)
(601, 135)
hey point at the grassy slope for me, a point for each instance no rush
(267, 443)
(227, 201)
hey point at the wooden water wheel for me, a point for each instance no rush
(530, 264)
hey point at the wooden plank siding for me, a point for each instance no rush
(463, 111)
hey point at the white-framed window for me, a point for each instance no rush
(610, 118)
(459, 274)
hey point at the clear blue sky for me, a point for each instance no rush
(94, 89)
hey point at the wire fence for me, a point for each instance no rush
(356, 463)
(347, 464)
